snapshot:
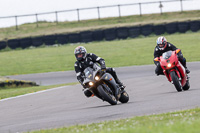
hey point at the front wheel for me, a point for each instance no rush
(124, 97)
(106, 95)
(176, 81)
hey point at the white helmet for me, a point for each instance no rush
(161, 42)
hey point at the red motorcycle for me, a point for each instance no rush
(174, 70)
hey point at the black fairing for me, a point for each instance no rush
(106, 80)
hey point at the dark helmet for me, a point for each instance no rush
(161, 42)
(80, 52)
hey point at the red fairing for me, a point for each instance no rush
(181, 69)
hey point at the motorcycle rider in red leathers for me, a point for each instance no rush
(83, 61)
(164, 46)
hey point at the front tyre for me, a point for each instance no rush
(105, 94)
(124, 97)
(176, 81)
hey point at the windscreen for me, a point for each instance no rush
(167, 55)
(88, 72)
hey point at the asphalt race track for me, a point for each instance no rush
(65, 106)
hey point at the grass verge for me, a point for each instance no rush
(187, 121)
(12, 92)
(117, 53)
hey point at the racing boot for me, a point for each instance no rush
(121, 85)
(187, 77)
(187, 70)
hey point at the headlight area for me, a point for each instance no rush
(96, 78)
(169, 65)
(91, 83)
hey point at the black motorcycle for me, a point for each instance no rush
(103, 85)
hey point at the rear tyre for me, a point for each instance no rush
(187, 86)
(176, 81)
(106, 95)
(124, 97)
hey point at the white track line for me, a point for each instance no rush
(34, 93)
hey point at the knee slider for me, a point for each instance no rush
(87, 93)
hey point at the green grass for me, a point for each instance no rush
(177, 122)
(116, 53)
(45, 28)
(12, 92)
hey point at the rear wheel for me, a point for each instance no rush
(106, 95)
(176, 81)
(187, 86)
(124, 97)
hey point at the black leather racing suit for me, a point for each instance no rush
(158, 53)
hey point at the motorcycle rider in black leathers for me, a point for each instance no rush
(163, 46)
(83, 61)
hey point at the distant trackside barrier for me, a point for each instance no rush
(103, 34)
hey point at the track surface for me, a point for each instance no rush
(67, 105)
